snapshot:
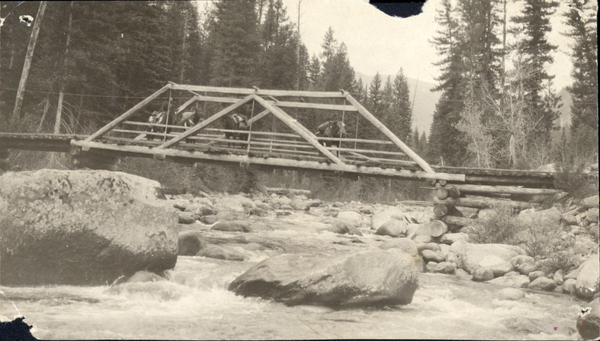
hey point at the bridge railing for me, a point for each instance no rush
(295, 142)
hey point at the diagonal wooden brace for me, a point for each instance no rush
(290, 122)
(366, 114)
(128, 113)
(206, 122)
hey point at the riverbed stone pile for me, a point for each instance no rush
(83, 227)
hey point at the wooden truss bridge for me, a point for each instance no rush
(292, 146)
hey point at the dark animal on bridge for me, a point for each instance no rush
(236, 122)
(331, 129)
(159, 119)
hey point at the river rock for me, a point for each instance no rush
(519, 281)
(185, 218)
(462, 274)
(229, 208)
(584, 246)
(536, 274)
(510, 294)
(394, 228)
(590, 201)
(432, 256)
(450, 238)
(428, 246)
(588, 321)
(369, 278)
(221, 252)
(381, 217)
(470, 255)
(200, 209)
(145, 276)
(232, 226)
(343, 227)
(431, 266)
(569, 219)
(190, 243)
(569, 286)
(572, 274)
(549, 217)
(209, 219)
(588, 279)
(82, 227)
(351, 217)
(305, 205)
(445, 268)
(524, 264)
(403, 244)
(558, 277)
(435, 228)
(498, 265)
(482, 274)
(542, 283)
(420, 238)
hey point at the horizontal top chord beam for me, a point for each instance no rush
(259, 92)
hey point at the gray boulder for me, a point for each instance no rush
(588, 279)
(370, 278)
(232, 226)
(230, 208)
(519, 281)
(221, 252)
(588, 321)
(403, 244)
(524, 264)
(381, 217)
(470, 255)
(433, 256)
(482, 274)
(393, 228)
(190, 243)
(82, 227)
(542, 283)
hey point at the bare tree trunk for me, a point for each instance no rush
(185, 21)
(46, 106)
(27, 65)
(62, 85)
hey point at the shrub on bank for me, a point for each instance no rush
(539, 240)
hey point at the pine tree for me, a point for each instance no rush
(582, 28)
(534, 23)
(236, 43)
(445, 141)
(402, 106)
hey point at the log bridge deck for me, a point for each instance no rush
(292, 147)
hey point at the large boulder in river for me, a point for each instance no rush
(370, 278)
(82, 227)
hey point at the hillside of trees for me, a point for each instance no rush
(94, 60)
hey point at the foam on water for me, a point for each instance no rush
(195, 304)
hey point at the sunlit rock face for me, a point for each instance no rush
(82, 227)
(371, 278)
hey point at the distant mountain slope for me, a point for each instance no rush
(425, 100)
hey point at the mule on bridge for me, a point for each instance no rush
(161, 121)
(236, 122)
(331, 129)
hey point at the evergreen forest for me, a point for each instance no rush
(93, 60)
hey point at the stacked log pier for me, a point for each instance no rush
(490, 188)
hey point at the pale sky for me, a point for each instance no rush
(378, 42)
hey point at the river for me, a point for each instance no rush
(194, 304)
